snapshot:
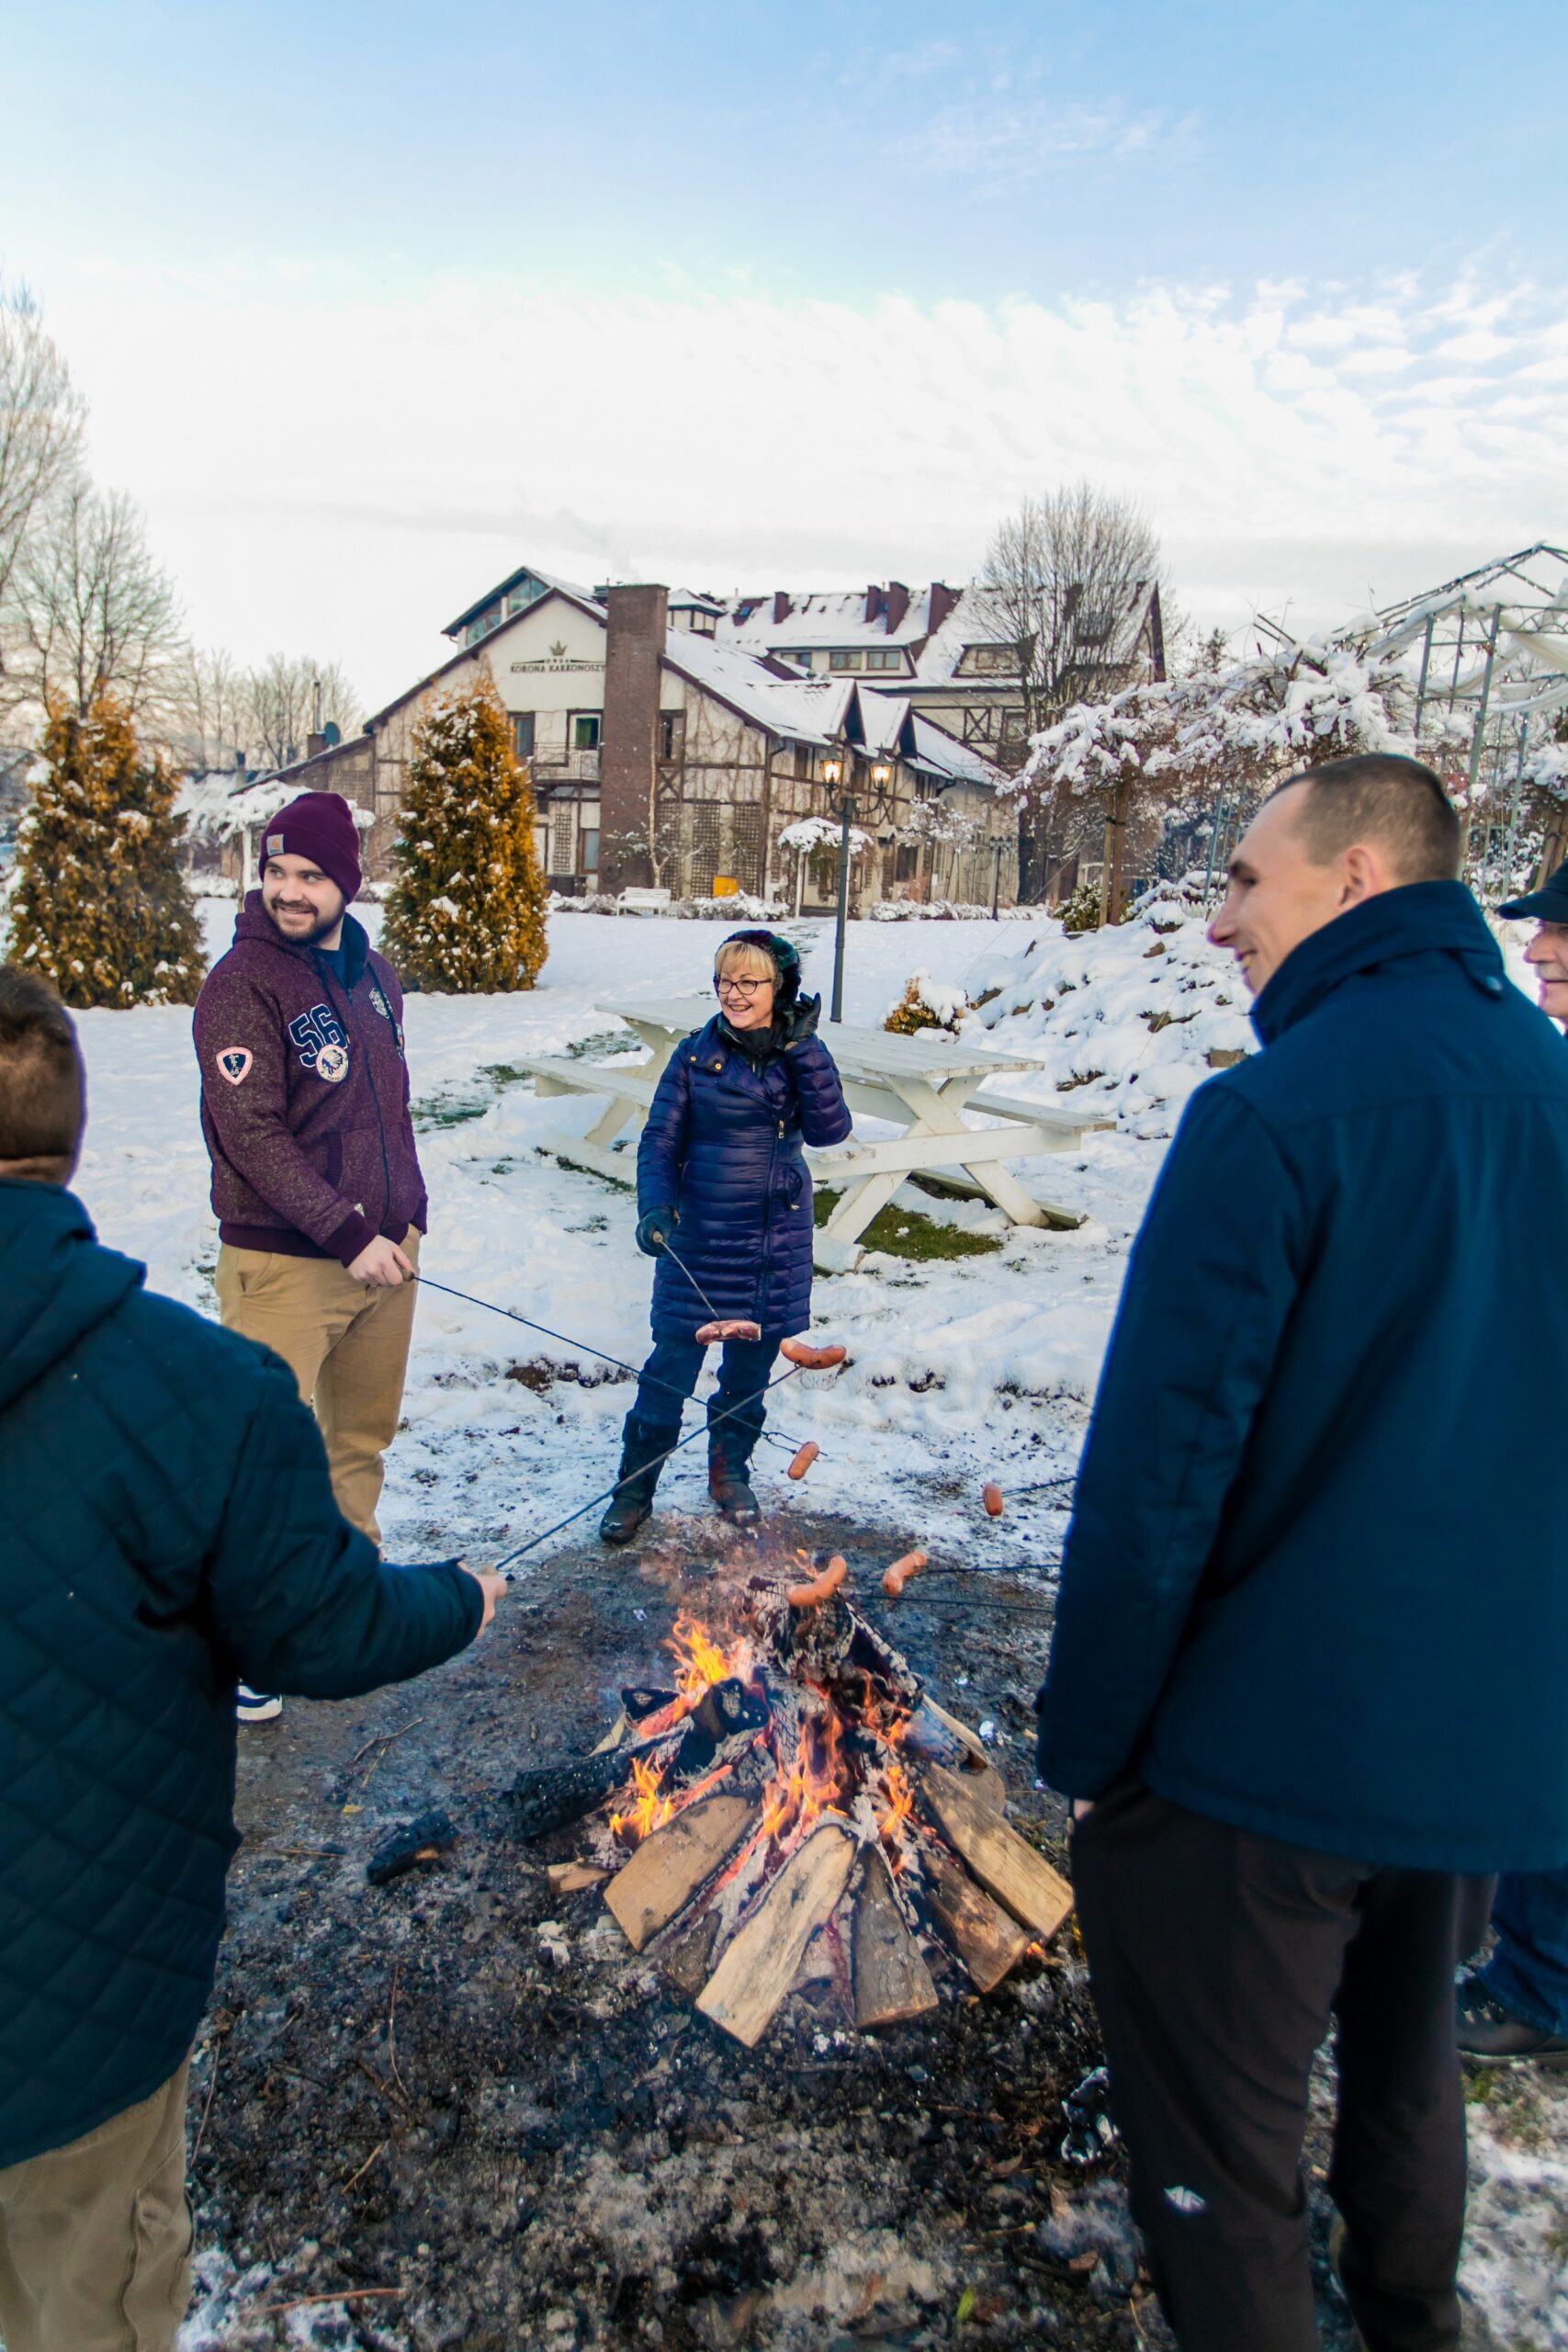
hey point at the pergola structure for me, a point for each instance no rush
(1483, 662)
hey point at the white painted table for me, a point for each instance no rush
(921, 1084)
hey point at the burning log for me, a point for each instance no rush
(557, 1793)
(1006, 1865)
(420, 1840)
(760, 1961)
(891, 1981)
(673, 1866)
(986, 1939)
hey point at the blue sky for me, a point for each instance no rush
(622, 224)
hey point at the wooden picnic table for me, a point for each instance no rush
(921, 1084)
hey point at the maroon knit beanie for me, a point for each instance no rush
(320, 826)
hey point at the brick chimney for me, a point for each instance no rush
(943, 599)
(897, 604)
(782, 607)
(628, 741)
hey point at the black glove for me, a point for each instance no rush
(799, 1021)
(654, 1231)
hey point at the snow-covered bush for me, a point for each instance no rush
(926, 1005)
(945, 911)
(1082, 911)
(1140, 1012)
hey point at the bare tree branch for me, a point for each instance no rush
(93, 612)
(40, 434)
(1065, 575)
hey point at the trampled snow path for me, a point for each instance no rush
(961, 1369)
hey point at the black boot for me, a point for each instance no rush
(643, 1452)
(729, 1459)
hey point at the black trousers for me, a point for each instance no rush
(1218, 1959)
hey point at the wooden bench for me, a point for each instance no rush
(642, 902)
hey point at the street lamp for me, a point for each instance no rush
(999, 846)
(846, 811)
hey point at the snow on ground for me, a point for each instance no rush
(960, 1369)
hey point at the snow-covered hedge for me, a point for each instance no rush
(926, 1005)
(946, 910)
(1141, 1012)
(739, 908)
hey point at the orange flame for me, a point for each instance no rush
(699, 1660)
(900, 1806)
(801, 1792)
(649, 1810)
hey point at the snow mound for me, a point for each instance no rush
(1141, 1012)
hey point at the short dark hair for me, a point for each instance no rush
(1383, 798)
(41, 1090)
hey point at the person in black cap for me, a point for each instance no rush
(724, 1203)
(1516, 2007)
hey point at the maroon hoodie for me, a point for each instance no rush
(305, 1095)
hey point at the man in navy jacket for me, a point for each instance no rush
(169, 1524)
(1313, 1490)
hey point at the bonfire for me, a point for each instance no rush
(798, 1789)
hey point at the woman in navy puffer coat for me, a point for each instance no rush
(724, 1202)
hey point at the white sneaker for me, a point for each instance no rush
(256, 1706)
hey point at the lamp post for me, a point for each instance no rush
(998, 846)
(846, 811)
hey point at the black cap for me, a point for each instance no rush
(1549, 904)
(784, 955)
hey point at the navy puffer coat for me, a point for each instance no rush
(723, 1145)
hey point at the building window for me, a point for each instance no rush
(803, 759)
(672, 734)
(802, 659)
(523, 733)
(1012, 729)
(908, 863)
(990, 660)
(591, 850)
(884, 657)
(844, 657)
(584, 734)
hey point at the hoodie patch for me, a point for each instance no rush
(234, 1062)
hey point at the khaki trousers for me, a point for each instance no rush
(95, 2238)
(347, 1345)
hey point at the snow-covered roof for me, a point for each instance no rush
(825, 618)
(935, 748)
(977, 619)
(806, 710)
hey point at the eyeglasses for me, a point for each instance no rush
(748, 989)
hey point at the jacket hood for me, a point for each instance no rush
(255, 928)
(1421, 919)
(56, 1282)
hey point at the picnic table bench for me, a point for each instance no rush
(922, 1084)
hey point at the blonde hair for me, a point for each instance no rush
(743, 957)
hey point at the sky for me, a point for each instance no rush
(373, 305)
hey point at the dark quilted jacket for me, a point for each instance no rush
(168, 1523)
(723, 1144)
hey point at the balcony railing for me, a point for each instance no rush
(565, 767)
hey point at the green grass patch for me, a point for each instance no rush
(906, 1233)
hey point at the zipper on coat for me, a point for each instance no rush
(371, 1075)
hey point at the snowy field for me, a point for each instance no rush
(960, 1369)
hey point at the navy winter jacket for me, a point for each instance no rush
(1316, 1581)
(169, 1522)
(723, 1146)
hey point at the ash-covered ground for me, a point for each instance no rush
(470, 2101)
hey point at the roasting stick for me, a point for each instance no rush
(469, 1297)
(701, 1430)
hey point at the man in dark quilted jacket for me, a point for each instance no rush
(169, 1524)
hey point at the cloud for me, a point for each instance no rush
(329, 463)
(1000, 142)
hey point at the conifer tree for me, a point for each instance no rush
(100, 907)
(467, 914)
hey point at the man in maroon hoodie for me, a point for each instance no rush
(305, 1111)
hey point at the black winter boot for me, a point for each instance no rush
(728, 1484)
(643, 1451)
